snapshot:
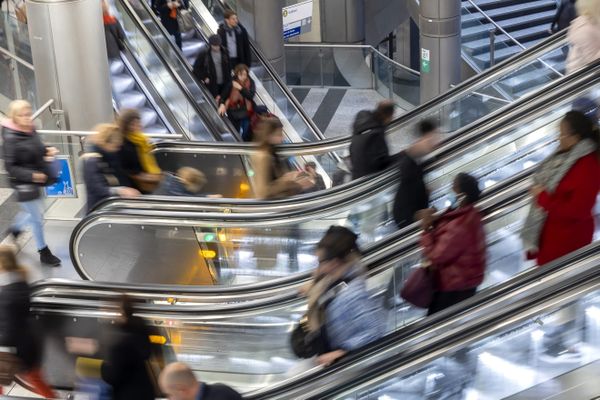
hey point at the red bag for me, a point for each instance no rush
(418, 288)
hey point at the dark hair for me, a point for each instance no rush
(468, 185)
(583, 127)
(229, 13)
(126, 118)
(426, 126)
(338, 242)
(384, 110)
(239, 68)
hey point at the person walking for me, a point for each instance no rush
(584, 36)
(167, 10)
(178, 382)
(235, 39)
(237, 101)
(212, 67)
(454, 245)
(16, 328)
(566, 185)
(368, 149)
(28, 164)
(565, 13)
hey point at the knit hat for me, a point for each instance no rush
(214, 40)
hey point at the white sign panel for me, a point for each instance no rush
(297, 19)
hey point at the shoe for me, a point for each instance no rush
(14, 234)
(46, 257)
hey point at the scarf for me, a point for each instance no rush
(228, 29)
(549, 174)
(236, 100)
(108, 19)
(144, 151)
(8, 123)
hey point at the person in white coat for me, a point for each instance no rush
(584, 35)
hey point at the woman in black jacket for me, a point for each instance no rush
(125, 367)
(27, 161)
(16, 330)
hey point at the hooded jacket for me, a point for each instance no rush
(584, 39)
(368, 149)
(242, 41)
(456, 249)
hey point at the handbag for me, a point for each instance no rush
(238, 113)
(185, 20)
(418, 288)
(10, 365)
(306, 344)
(27, 191)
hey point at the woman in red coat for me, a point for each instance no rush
(564, 193)
(454, 244)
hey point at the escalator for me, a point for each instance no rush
(262, 241)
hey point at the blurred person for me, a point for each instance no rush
(113, 33)
(235, 39)
(125, 366)
(237, 101)
(318, 183)
(565, 13)
(178, 382)
(28, 164)
(584, 36)
(341, 312)
(412, 194)
(368, 149)
(167, 10)
(212, 67)
(187, 182)
(343, 173)
(566, 185)
(587, 106)
(136, 156)
(99, 174)
(272, 176)
(16, 328)
(454, 245)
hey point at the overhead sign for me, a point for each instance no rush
(64, 186)
(297, 19)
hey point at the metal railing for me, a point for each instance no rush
(17, 59)
(90, 133)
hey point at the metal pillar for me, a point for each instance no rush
(263, 20)
(439, 23)
(69, 56)
(343, 21)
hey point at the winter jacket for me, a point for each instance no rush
(584, 39)
(412, 194)
(125, 366)
(204, 67)
(100, 177)
(368, 149)
(172, 186)
(565, 13)
(246, 97)
(268, 172)
(456, 249)
(16, 328)
(569, 223)
(353, 318)
(23, 154)
(244, 54)
(218, 392)
(115, 39)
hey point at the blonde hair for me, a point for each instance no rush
(15, 107)
(107, 134)
(192, 179)
(8, 260)
(589, 8)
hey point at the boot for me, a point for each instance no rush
(46, 257)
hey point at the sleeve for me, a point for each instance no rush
(249, 93)
(117, 367)
(443, 247)
(120, 36)
(381, 153)
(15, 171)
(198, 70)
(362, 320)
(94, 180)
(226, 93)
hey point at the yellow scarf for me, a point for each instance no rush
(144, 151)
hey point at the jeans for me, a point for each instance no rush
(32, 213)
(243, 125)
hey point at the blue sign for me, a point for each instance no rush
(292, 32)
(64, 187)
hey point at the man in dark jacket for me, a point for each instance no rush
(178, 382)
(412, 194)
(565, 13)
(235, 39)
(212, 67)
(368, 150)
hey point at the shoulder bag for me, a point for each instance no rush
(418, 288)
(185, 20)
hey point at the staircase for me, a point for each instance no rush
(527, 21)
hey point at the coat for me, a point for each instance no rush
(218, 392)
(584, 40)
(100, 177)
(368, 149)
(243, 43)
(16, 328)
(115, 38)
(412, 194)
(569, 222)
(23, 155)
(125, 366)
(247, 94)
(565, 13)
(204, 67)
(456, 249)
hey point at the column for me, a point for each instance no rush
(69, 56)
(439, 23)
(343, 21)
